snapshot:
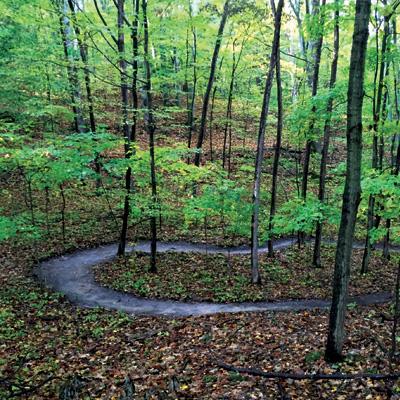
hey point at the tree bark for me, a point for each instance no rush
(74, 87)
(256, 279)
(375, 158)
(327, 133)
(128, 153)
(315, 79)
(352, 190)
(191, 89)
(206, 100)
(277, 151)
(150, 128)
(84, 58)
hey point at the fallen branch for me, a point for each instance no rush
(255, 372)
(24, 388)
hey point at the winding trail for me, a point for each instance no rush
(72, 275)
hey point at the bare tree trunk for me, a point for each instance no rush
(84, 58)
(395, 164)
(206, 100)
(192, 92)
(128, 153)
(228, 123)
(256, 279)
(295, 5)
(74, 87)
(211, 122)
(178, 89)
(327, 133)
(352, 190)
(375, 158)
(315, 79)
(277, 150)
(150, 128)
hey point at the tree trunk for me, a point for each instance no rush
(312, 45)
(385, 253)
(84, 58)
(178, 89)
(256, 279)
(206, 100)
(124, 83)
(74, 87)
(211, 123)
(128, 176)
(150, 128)
(277, 151)
(352, 190)
(375, 157)
(192, 92)
(327, 133)
(315, 79)
(228, 123)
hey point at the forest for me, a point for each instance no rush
(199, 199)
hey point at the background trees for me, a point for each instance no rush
(90, 84)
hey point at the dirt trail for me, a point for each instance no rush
(72, 275)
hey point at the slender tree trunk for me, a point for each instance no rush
(150, 128)
(206, 100)
(228, 117)
(191, 108)
(211, 122)
(83, 54)
(277, 154)
(295, 5)
(74, 88)
(178, 89)
(128, 176)
(228, 123)
(310, 141)
(84, 58)
(352, 190)
(385, 252)
(395, 165)
(327, 133)
(375, 156)
(256, 279)
(124, 83)
(229, 105)
(312, 45)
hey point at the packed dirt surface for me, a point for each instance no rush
(72, 275)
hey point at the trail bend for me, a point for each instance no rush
(72, 275)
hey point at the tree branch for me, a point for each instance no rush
(272, 375)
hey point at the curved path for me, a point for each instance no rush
(72, 275)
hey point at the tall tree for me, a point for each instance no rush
(150, 129)
(132, 137)
(315, 79)
(191, 89)
(256, 279)
(206, 100)
(275, 166)
(327, 133)
(378, 117)
(352, 189)
(69, 51)
(228, 122)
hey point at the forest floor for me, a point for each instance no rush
(90, 352)
(194, 276)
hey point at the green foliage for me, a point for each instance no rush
(298, 215)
